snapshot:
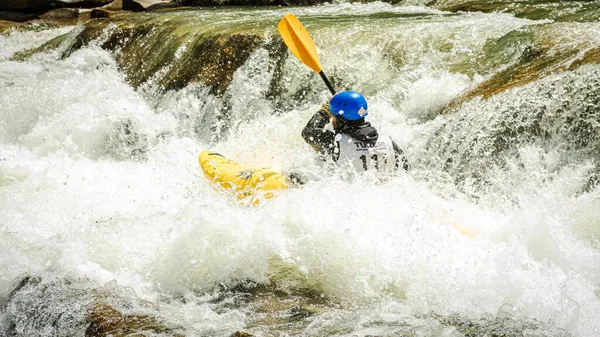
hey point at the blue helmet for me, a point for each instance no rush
(350, 105)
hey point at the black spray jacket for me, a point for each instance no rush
(324, 140)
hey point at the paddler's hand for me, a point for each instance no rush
(325, 109)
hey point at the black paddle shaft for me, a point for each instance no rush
(329, 86)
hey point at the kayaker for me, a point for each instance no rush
(353, 141)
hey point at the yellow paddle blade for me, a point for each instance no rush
(299, 41)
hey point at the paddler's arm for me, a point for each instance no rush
(400, 157)
(315, 134)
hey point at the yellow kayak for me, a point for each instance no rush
(249, 184)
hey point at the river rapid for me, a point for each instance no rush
(101, 191)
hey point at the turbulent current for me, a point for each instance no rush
(105, 215)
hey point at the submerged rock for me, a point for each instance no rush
(76, 307)
(271, 308)
(540, 53)
(163, 52)
(241, 334)
(548, 124)
(126, 141)
(501, 326)
(170, 52)
(105, 320)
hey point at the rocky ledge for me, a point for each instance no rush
(18, 13)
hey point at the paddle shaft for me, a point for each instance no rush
(329, 86)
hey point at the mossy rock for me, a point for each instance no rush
(46, 47)
(171, 53)
(269, 307)
(66, 307)
(539, 57)
(105, 320)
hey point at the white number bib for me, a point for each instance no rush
(363, 156)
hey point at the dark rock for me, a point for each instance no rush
(278, 54)
(16, 16)
(132, 5)
(142, 5)
(213, 61)
(559, 11)
(61, 14)
(241, 334)
(45, 5)
(99, 13)
(211, 3)
(162, 5)
(24, 282)
(299, 313)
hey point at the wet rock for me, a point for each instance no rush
(141, 5)
(145, 50)
(7, 25)
(54, 307)
(58, 17)
(501, 326)
(105, 320)
(556, 114)
(539, 58)
(241, 334)
(61, 14)
(212, 61)
(556, 10)
(50, 45)
(99, 13)
(269, 306)
(210, 3)
(288, 278)
(278, 54)
(45, 5)
(15, 16)
(132, 5)
(299, 313)
(126, 141)
(75, 307)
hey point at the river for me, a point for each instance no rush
(495, 229)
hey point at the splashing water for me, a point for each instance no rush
(100, 183)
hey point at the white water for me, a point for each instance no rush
(71, 206)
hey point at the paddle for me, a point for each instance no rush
(300, 43)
